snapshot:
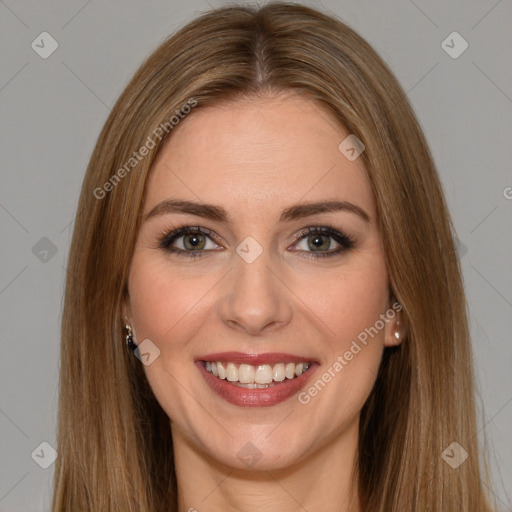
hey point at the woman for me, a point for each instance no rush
(262, 220)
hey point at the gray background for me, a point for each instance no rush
(53, 110)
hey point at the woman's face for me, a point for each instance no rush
(255, 286)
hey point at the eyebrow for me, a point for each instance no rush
(219, 214)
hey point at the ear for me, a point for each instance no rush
(395, 330)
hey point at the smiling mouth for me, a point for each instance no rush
(256, 376)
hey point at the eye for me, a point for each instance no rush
(316, 242)
(188, 241)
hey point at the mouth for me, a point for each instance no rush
(250, 380)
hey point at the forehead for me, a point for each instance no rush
(260, 155)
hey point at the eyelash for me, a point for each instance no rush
(167, 238)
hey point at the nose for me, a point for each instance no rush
(256, 298)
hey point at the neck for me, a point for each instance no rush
(323, 481)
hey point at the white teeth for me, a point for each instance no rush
(246, 374)
(252, 385)
(264, 374)
(249, 376)
(279, 375)
(290, 371)
(221, 370)
(231, 372)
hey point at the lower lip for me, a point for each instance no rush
(263, 397)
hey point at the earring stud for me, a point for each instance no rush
(129, 339)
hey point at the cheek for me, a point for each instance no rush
(159, 300)
(348, 307)
(162, 307)
(347, 301)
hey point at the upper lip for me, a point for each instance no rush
(255, 359)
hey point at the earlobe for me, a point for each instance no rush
(396, 334)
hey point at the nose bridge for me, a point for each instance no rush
(256, 297)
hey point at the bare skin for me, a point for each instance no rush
(254, 159)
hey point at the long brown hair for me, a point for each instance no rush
(114, 439)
